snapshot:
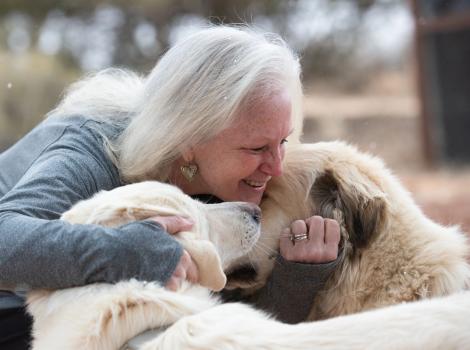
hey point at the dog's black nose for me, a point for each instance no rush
(254, 211)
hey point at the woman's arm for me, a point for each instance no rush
(301, 270)
(37, 250)
(291, 289)
(38, 253)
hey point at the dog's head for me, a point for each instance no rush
(330, 179)
(222, 233)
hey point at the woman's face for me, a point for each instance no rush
(237, 164)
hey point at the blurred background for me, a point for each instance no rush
(391, 76)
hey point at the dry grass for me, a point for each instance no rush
(444, 195)
(30, 85)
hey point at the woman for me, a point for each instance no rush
(212, 118)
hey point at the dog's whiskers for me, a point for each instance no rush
(262, 250)
(271, 253)
(267, 249)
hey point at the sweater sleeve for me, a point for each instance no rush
(38, 250)
(291, 289)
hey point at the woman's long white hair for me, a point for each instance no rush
(193, 93)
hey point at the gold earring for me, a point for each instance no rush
(188, 171)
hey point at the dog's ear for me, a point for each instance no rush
(114, 214)
(211, 274)
(354, 201)
(204, 254)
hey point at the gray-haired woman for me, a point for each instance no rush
(212, 118)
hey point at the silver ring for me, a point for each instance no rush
(297, 238)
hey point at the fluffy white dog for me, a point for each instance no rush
(105, 316)
(390, 251)
(432, 324)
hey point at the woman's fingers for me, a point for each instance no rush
(316, 230)
(332, 233)
(174, 224)
(298, 227)
(185, 270)
(191, 272)
(313, 240)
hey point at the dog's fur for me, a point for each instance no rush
(432, 324)
(390, 251)
(104, 316)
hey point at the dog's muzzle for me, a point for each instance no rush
(252, 218)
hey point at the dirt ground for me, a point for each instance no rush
(443, 195)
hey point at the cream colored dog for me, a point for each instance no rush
(432, 324)
(105, 316)
(390, 251)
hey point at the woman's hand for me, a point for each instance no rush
(186, 268)
(317, 240)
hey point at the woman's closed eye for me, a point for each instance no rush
(265, 147)
(259, 149)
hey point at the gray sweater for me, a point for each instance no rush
(63, 161)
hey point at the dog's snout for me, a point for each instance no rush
(256, 214)
(254, 211)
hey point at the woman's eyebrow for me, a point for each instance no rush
(290, 133)
(263, 139)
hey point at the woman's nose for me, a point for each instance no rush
(272, 165)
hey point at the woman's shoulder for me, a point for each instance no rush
(85, 137)
(71, 132)
(55, 127)
(78, 131)
(75, 139)
(86, 125)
